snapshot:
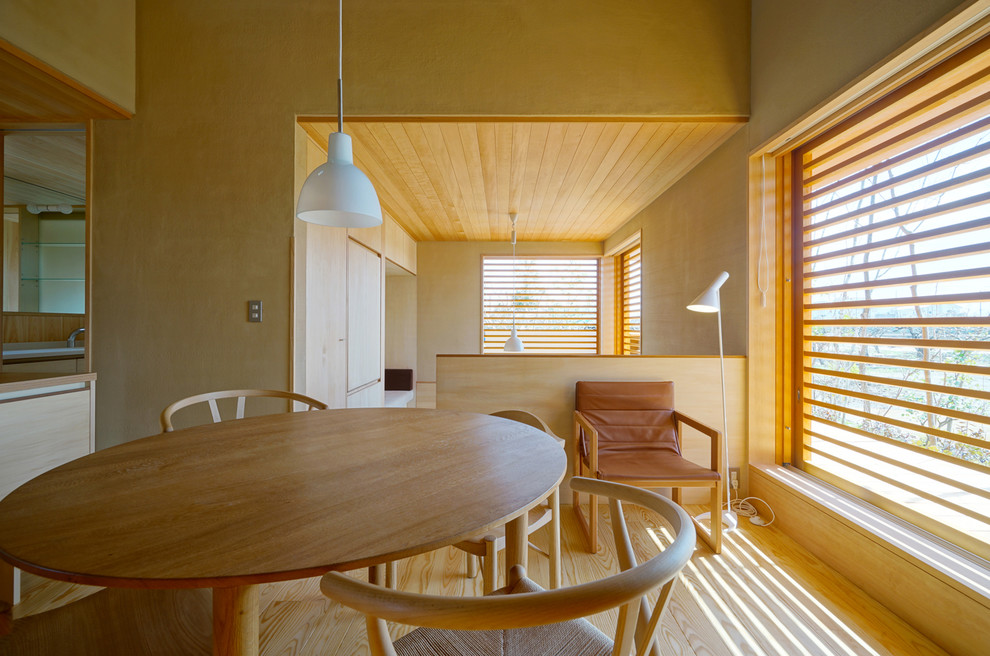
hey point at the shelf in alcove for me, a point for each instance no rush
(56, 279)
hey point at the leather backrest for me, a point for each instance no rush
(611, 395)
(629, 415)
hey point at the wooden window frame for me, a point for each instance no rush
(771, 330)
(623, 304)
(491, 346)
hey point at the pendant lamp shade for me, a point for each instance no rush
(708, 300)
(513, 344)
(338, 194)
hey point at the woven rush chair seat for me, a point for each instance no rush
(574, 637)
(523, 619)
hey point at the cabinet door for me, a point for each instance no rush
(326, 322)
(364, 316)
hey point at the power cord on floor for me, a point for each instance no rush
(743, 507)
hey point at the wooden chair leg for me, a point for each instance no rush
(675, 495)
(593, 523)
(471, 565)
(489, 565)
(555, 564)
(392, 574)
(717, 518)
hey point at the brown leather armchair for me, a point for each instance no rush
(629, 432)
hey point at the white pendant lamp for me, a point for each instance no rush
(709, 301)
(513, 344)
(338, 194)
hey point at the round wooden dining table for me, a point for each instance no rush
(232, 505)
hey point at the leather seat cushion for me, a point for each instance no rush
(642, 462)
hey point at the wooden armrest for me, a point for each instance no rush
(697, 425)
(715, 435)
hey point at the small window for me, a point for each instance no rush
(628, 285)
(554, 301)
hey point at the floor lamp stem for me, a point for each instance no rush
(725, 421)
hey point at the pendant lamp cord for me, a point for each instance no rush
(340, 66)
(513, 217)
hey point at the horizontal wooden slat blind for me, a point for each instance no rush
(629, 292)
(555, 301)
(892, 364)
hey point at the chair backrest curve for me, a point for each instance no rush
(536, 608)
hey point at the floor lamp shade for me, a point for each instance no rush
(708, 300)
(338, 194)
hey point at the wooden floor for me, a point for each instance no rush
(763, 595)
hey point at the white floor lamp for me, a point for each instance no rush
(709, 301)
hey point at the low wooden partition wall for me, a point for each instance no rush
(544, 385)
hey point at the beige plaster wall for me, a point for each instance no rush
(448, 314)
(193, 199)
(91, 42)
(804, 51)
(689, 235)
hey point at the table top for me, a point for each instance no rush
(277, 497)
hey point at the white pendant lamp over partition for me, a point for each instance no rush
(513, 344)
(339, 194)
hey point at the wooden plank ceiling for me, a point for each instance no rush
(573, 180)
(44, 168)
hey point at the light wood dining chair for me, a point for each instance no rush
(486, 547)
(241, 394)
(523, 619)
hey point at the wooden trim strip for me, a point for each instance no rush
(115, 110)
(921, 321)
(963, 274)
(962, 510)
(933, 76)
(902, 240)
(895, 362)
(902, 403)
(303, 119)
(935, 432)
(938, 455)
(926, 148)
(952, 482)
(957, 344)
(921, 194)
(930, 256)
(891, 183)
(900, 133)
(974, 297)
(910, 384)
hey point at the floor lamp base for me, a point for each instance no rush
(729, 518)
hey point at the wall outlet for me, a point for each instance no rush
(734, 478)
(254, 311)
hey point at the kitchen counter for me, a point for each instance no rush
(13, 385)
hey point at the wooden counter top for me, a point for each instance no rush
(16, 382)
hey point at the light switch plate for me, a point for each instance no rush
(254, 311)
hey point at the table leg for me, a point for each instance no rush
(8, 596)
(516, 543)
(235, 621)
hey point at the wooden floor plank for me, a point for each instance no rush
(764, 595)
